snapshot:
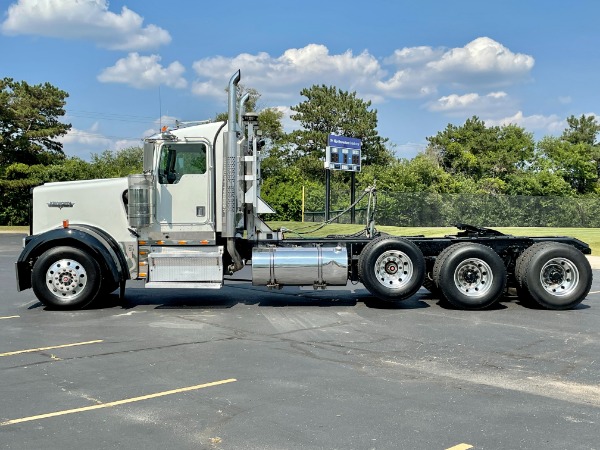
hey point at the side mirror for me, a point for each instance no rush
(148, 161)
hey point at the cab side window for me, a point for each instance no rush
(177, 160)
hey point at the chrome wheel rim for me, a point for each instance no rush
(66, 279)
(473, 277)
(559, 276)
(394, 269)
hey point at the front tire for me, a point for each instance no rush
(470, 276)
(66, 278)
(554, 275)
(391, 268)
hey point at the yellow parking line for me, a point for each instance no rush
(460, 447)
(9, 317)
(594, 292)
(31, 350)
(117, 403)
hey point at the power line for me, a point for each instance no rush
(101, 136)
(111, 116)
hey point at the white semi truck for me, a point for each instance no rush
(193, 216)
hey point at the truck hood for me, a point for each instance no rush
(92, 202)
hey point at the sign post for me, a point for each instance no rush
(342, 153)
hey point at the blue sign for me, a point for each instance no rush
(344, 142)
(343, 153)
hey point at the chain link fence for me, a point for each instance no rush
(420, 209)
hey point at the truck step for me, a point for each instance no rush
(196, 267)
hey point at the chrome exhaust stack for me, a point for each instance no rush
(231, 175)
(231, 163)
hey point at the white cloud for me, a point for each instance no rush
(168, 121)
(453, 102)
(408, 56)
(86, 137)
(472, 103)
(82, 143)
(537, 122)
(120, 144)
(483, 58)
(483, 62)
(283, 76)
(415, 71)
(144, 72)
(408, 83)
(83, 19)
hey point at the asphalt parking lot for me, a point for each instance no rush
(244, 368)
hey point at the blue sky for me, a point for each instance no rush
(130, 65)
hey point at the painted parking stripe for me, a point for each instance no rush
(594, 292)
(117, 403)
(40, 349)
(460, 447)
(9, 317)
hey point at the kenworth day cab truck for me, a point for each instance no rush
(193, 216)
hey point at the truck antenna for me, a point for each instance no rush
(159, 110)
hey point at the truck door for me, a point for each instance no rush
(183, 194)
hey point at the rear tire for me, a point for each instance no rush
(554, 275)
(66, 278)
(470, 276)
(391, 268)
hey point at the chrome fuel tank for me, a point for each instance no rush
(299, 266)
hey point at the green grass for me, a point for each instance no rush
(591, 236)
(10, 229)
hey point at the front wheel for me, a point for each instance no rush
(66, 278)
(470, 276)
(391, 268)
(555, 275)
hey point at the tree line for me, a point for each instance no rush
(470, 159)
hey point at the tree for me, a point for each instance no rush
(121, 163)
(584, 131)
(329, 110)
(539, 183)
(478, 151)
(581, 131)
(108, 164)
(575, 163)
(269, 123)
(274, 151)
(575, 156)
(66, 170)
(29, 122)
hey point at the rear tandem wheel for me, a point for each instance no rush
(470, 275)
(554, 275)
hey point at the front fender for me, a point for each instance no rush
(98, 243)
